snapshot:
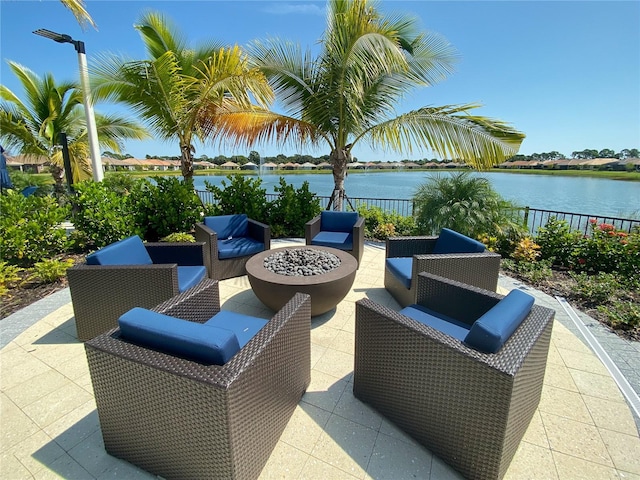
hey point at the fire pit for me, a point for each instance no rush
(326, 274)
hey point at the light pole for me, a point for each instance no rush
(92, 132)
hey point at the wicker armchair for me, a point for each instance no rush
(469, 408)
(479, 269)
(181, 419)
(101, 293)
(341, 230)
(217, 230)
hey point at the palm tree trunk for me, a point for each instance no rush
(58, 177)
(186, 162)
(339, 159)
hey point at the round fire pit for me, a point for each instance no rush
(326, 274)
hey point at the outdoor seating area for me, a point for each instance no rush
(66, 414)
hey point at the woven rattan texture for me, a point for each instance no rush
(469, 408)
(180, 419)
(230, 267)
(477, 269)
(312, 228)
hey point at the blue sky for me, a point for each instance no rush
(566, 73)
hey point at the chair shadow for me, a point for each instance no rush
(64, 334)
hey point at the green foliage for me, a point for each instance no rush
(596, 289)
(102, 213)
(179, 237)
(288, 213)
(29, 228)
(531, 272)
(22, 180)
(50, 270)
(8, 276)
(622, 314)
(381, 224)
(461, 202)
(168, 207)
(557, 241)
(241, 195)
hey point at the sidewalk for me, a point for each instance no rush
(583, 428)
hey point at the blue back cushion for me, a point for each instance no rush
(228, 225)
(490, 332)
(450, 241)
(129, 251)
(401, 268)
(331, 221)
(200, 342)
(244, 326)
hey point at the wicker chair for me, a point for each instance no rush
(181, 419)
(341, 230)
(469, 408)
(479, 269)
(101, 293)
(219, 229)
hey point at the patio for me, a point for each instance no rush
(583, 428)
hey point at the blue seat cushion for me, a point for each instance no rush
(331, 221)
(128, 251)
(190, 276)
(490, 332)
(401, 268)
(450, 241)
(442, 323)
(339, 240)
(243, 326)
(199, 342)
(228, 226)
(238, 247)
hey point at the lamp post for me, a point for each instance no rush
(92, 132)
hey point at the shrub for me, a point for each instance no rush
(531, 272)
(288, 213)
(526, 250)
(241, 195)
(102, 214)
(179, 237)
(8, 276)
(29, 228)
(622, 314)
(384, 231)
(557, 241)
(378, 223)
(169, 206)
(595, 289)
(50, 270)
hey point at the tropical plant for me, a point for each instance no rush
(77, 8)
(348, 94)
(462, 202)
(32, 126)
(176, 84)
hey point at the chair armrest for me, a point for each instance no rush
(311, 229)
(261, 232)
(182, 253)
(409, 246)
(210, 238)
(197, 304)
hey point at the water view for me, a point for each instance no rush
(592, 196)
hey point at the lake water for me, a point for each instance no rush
(586, 195)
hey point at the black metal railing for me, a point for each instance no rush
(534, 218)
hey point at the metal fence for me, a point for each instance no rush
(534, 218)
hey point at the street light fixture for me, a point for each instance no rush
(92, 131)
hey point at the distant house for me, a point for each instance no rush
(229, 166)
(27, 163)
(269, 166)
(307, 166)
(249, 166)
(324, 166)
(356, 165)
(290, 166)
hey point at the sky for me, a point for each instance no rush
(566, 73)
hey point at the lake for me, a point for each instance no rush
(586, 195)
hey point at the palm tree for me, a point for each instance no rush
(347, 94)
(77, 8)
(32, 126)
(172, 88)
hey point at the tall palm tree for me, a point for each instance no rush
(348, 93)
(77, 8)
(32, 125)
(172, 88)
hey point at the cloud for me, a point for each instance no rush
(294, 8)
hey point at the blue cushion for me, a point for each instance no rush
(340, 240)
(244, 326)
(442, 323)
(401, 268)
(238, 247)
(128, 251)
(228, 225)
(490, 332)
(331, 221)
(454, 242)
(195, 341)
(190, 276)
